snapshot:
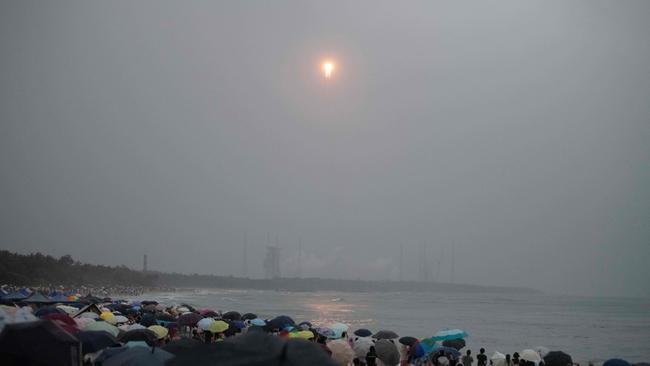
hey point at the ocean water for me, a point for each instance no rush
(588, 328)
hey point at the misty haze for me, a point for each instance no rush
(364, 157)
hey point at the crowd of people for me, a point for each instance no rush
(105, 331)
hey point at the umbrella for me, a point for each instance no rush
(105, 315)
(385, 334)
(557, 358)
(92, 342)
(161, 307)
(218, 326)
(454, 343)
(325, 332)
(616, 362)
(83, 322)
(208, 313)
(280, 322)
(342, 354)
(254, 349)
(148, 319)
(161, 332)
(530, 355)
(446, 334)
(117, 319)
(361, 346)
(137, 356)
(89, 315)
(99, 326)
(362, 332)
(189, 319)
(165, 317)
(182, 345)
(39, 342)
(47, 310)
(542, 351)
(38, 298)
(499, 359)
(304, 334)
(135, 326)
(339, 329)
(248, 316)
(145, 335)
(304, 325)
(408, 341)
(231, 315)
(387, 352)
(64, 321)
(70, 310)
(428, 346)
(204, 323)
(258, 322)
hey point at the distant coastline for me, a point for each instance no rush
(324, 284)
(44, 270)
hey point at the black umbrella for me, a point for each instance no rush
(408, 341)
(93, 341)
(145, 335)
(181, 345)
(139, 356)
(165, 317)
(362, 332)
(557, 358)
(231, 315)
(387, 352)
(385, 334)
(38, 298)
(248, 316)
(148, 302)
(38, 342)
(148, 320)
(254, 349)
(280, 322)
(46, 310)
(457, 344)
(189, 319)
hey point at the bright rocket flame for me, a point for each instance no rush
(328, 68)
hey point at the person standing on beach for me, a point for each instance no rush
(467, 359)
(508, 361)
(481, 358)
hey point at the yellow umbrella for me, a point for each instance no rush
(304, 334)
(161, 332)
(218, 326)
(105, 315)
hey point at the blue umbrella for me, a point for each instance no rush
(448, 334)
(426, 347)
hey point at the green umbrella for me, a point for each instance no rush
(103, 326)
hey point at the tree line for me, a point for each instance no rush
(38, 269)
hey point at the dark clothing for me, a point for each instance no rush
(481, 359)
(371, 359)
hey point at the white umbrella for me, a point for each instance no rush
(136, 326)
(542, 351)
(205, 323)
(498, 359)
(530, 355)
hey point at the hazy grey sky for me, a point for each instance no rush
(518, 130)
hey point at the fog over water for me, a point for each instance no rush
(515, 132)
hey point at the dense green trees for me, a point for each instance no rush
(41, 270)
